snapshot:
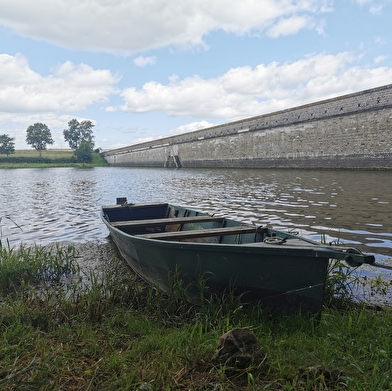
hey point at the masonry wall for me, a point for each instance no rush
(351, 131)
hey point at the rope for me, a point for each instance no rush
(274, 240)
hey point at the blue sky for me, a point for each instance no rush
(145, 69)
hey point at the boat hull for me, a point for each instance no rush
(280, 282)
(280, 278)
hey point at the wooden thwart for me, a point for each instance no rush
(200, 233)
(173, 220)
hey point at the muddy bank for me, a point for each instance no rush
(95, 257)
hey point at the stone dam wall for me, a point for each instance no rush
(350, 131)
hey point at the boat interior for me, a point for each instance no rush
(166, 222)
(163, 221)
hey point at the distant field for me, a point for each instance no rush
(48, 153)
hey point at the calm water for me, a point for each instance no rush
(62, 204)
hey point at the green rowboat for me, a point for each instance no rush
(280, 270)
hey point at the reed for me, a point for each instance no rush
(62, 328)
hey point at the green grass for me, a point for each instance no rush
(62, 329)
(97, 159)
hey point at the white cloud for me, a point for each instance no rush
(380, 41)
(143, 61)
(191, 127)
(26, 97)
(143, 140)
(69, 87)
(376, 9)
(379, 59)
(247, 91)
(375, 6)
(110, 109)
(287, 26)
(129, 26)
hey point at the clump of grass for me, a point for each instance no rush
(339, 285)
(27, 266)
(110, 331)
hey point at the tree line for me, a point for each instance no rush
(79, 136)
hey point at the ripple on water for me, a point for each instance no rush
(62, 204)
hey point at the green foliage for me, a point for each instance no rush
(49, 158)
(98, 159)
(38, 136)
(7, 145)
(78, 132)
(30, 265)
(84, 152)
(107, 330)
(338, 287)
(43, 160)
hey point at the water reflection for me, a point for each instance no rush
(62, 204)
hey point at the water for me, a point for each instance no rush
(62, 204)
(43, 206)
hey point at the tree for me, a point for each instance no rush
(7, 145)
(38, 135)
(78, 132)
(84, 152)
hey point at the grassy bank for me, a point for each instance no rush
(52, 154)
(63, 328)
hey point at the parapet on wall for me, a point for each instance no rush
(351, 131)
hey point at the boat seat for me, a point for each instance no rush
(200, 233)
(166, 221)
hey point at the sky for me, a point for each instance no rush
(146, 69)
